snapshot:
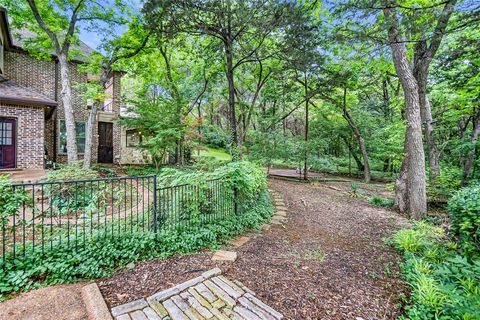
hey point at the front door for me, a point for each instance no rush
(105, 142)
(8, 153)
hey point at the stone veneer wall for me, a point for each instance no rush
(132, 155)
(29, 137)
(40, 75)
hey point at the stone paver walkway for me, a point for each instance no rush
(209, 296)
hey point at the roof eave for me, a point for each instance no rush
(27, 101)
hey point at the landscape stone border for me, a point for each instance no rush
(208, 296)
(95, 305)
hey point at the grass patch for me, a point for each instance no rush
(218, 154)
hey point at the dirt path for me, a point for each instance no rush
(328, 262)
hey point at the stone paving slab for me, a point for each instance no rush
(240, 241)
(209, 296)
(223, 255)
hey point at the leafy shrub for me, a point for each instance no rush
(104, 172)
(10, 200)
(101, 255)
(71, 196)
(381, 202)
(464, 208)
(71, 172)
(446, 184)
(419, 239)
(142, 170)
(215, 137)
(444, 285)
(207, 163)
(323, 164)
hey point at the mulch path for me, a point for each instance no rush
(328, 262)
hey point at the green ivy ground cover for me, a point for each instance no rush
(101, 256)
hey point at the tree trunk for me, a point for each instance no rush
(433, 156)
(231, 101)
(421, 75)
(305, 164)
(352, 153)
(416, 194)
(358, 135)
(467, 167)
(66, 94)
(87, 157)
(401, 196)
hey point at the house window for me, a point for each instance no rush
(133, 138)
(80, 129)
(6, 133)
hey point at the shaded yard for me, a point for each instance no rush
(328, 262)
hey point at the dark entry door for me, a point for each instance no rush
(105, 142)
(7, 143)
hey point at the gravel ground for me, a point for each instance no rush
(328, 262)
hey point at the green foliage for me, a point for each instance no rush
(419, 239)
(104, 172)
(207, 163)
(10, 200)
(102, 255)
(142, 170)
(214, 137)
(67, 197)
(355, 190)
(382, 202)
(444, 284)
(447, 183)
(71, 172)
(464, 209)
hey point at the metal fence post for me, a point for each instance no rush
(235, 198)
(155, 205)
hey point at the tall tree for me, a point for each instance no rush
(412, 179)
(55, 24)
(241, 27)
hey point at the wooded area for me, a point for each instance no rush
(381, 88)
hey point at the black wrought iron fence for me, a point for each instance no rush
(69, 213)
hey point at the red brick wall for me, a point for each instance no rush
(40, 75)
(30, 129)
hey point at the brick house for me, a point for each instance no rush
(32, 127)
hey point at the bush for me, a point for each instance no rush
(101, 255)
(464, 209)
(10, 201)
(444, 284)
(215, 137)
(420, 239)
(71, 172)
(446, 184)
(208, 163)
(381, 202)
(142, 170)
